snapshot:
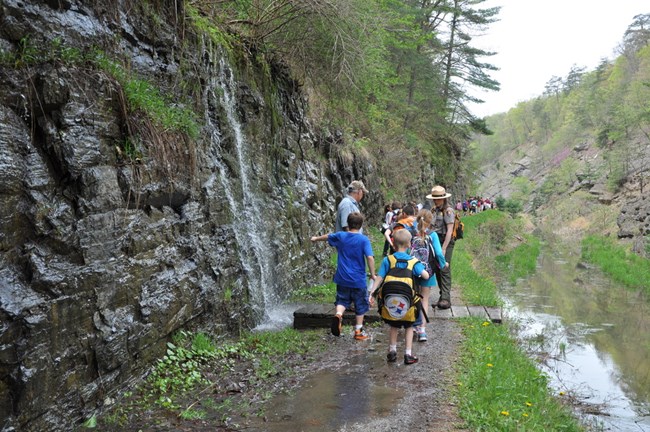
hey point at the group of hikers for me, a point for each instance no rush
(474, 205)
(418, 248)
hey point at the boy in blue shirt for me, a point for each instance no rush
(354, 252)
(402, 241)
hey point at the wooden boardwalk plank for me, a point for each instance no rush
(495, 314)
(320, 315)
(460, 311)
(477, 311)
(442, 313)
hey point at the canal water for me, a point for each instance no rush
(591, 335)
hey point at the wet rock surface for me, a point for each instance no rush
(104, 254)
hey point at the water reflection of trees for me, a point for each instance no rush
(593, 310)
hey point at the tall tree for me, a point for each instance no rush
(637, 34)
(459, 60)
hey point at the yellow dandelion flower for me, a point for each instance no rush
(486, 323)
(490, 365)
(561, 393)
(505, 413)
(525, 415)
(529, 404)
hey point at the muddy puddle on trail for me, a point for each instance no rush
(591, 335)
(355, 389)
(333, 399)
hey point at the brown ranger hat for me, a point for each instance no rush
(438, 192)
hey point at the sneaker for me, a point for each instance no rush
(422, 336)
(444, 304)
(337, 322)
(360, 334)
(410, 359)
(391, 356)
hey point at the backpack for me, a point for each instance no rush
(398, 302)
(459, 228)
(422, 249)
(458, 231)
(408, 224)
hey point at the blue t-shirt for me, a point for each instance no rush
(418, 268)
(352, 248)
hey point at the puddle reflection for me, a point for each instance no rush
(332, 399)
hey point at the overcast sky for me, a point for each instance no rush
(537, 40)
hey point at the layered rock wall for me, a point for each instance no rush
(115, 231)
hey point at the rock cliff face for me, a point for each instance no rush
(116, 231)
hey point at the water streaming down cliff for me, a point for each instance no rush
(114, 254)
(254, 246)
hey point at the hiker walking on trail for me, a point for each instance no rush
(388, 218)
(425, 246)
(350, 204)
(443, 225)
(404, 315)
(406, 220)
(354, 252)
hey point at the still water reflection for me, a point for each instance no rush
(592, 335)
(334, 399)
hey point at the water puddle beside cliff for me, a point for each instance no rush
(592, 336)
(335, 398)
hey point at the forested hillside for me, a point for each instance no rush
(582, 149)
(391, 75)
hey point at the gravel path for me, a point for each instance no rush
(353, 388)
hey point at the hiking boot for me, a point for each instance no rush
(410, 359)
(422, 336)
(444, 304)
(337, 322)
(361, 334)
(391, 356)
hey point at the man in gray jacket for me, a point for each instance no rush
(350, 204)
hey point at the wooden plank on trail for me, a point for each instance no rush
(477, 311)
(312, 309)
(320, 315)
(442, 313)
(495, 314)
(460, 311)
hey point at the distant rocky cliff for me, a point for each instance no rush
(624, 212)
(116, 230)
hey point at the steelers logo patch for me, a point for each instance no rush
(397, 306)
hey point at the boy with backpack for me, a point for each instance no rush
(399, 304)
(425, 246)
(352, 249)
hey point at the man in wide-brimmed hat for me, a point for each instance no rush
(350, 204)
(443, 225)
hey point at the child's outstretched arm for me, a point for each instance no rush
(319, 238)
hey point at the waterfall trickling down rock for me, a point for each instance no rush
(253, 245)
